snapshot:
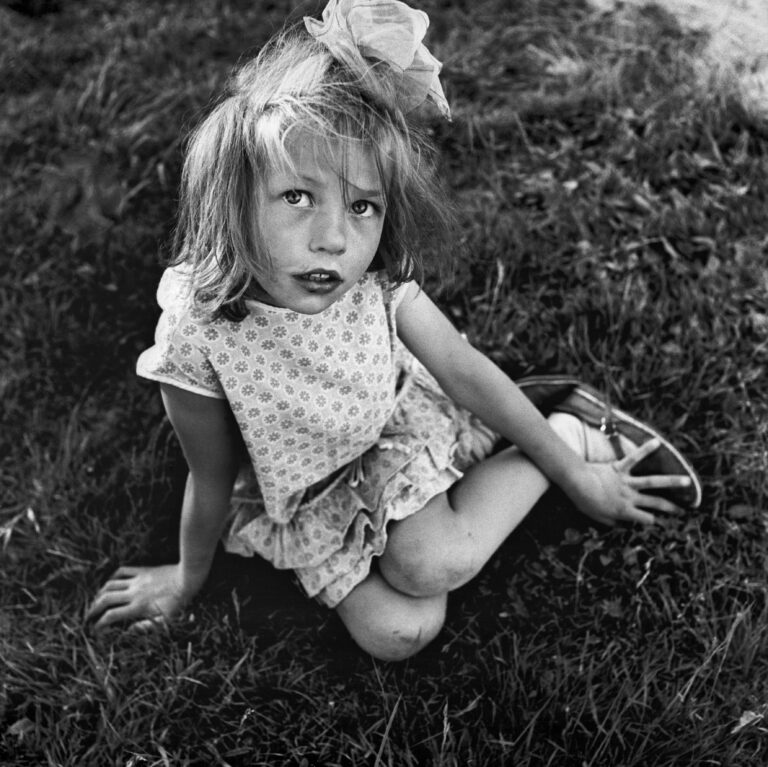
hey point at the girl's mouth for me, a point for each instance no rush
(319, 280)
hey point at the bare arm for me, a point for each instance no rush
(211, 443)
(606, 492)
(476, 383)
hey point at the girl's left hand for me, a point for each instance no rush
(608, 493)
(144, 597)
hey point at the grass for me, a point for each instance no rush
(613, 210)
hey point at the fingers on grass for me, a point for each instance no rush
(114, 615)
(148, 625)
(106, 600)
(135, 615)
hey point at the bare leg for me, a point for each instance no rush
(447, 543)
(388, 624)
(394, 614)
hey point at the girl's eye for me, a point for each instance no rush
(297, 198)
(363, 208)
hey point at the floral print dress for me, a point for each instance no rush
(344, 429)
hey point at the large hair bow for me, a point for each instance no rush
(390, 31)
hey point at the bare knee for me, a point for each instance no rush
(419, 563)
(393, 629)
(428, 573)
(394, 640)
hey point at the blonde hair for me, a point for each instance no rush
(295, 84)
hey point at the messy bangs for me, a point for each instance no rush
(295, 90)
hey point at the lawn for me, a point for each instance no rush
(613, 211)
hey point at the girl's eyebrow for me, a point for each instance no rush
(367, 192)
(358, 190)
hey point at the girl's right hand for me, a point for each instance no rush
(146, 596)
(610, 493)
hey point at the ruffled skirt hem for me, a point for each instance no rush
(337, 530)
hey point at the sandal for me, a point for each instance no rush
(565, 394)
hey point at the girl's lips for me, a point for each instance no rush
(319, 280)
(320, 275)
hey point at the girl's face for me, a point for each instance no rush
(321, 229)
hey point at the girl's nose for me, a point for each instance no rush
(329, 232)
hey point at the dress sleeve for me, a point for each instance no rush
(180, 355)
(398, 294)
(393, 294)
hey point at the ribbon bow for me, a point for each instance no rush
(390, 31)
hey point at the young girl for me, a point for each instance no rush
(333, 420)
